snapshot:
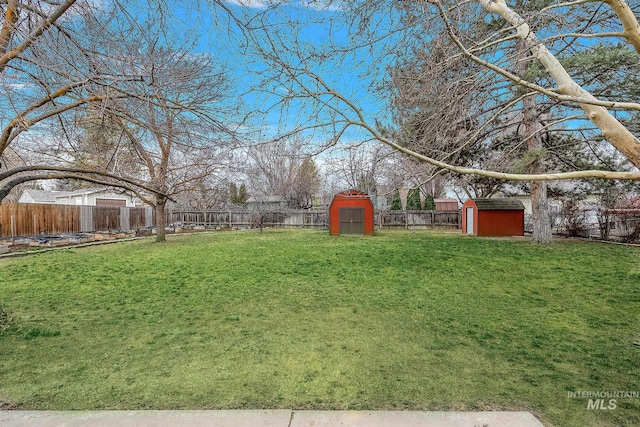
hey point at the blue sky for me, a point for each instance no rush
(319, 27)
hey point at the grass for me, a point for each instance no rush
(299, 319)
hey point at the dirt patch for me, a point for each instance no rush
(7, 406)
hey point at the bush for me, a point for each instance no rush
(413, 200)
(573, 220)
(396, 203)
(429, 204)
(630, 227)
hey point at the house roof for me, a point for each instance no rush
(42, 196)
(499, 204)
(81, 191)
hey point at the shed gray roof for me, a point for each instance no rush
(499, 204)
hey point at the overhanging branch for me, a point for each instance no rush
(362, 123)
(54, 172)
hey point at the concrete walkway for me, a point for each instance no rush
(265, 418)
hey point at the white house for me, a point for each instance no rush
(83, 197)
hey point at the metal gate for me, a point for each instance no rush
(351, 220)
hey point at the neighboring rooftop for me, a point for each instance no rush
(38, 196)
(47, 196)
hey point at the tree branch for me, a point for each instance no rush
(9, 25)
(629, 22)
(82, 172)
(35, 34)
(612, 130)
(362, 123)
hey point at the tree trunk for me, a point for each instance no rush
(603, 223)
(539, 204)
(161, 221)
(540, 209)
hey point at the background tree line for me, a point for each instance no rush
(482, 98)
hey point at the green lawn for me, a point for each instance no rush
(299, 319)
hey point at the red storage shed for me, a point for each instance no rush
(351, 212)
(493, 217)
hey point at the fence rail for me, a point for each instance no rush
(418, 219)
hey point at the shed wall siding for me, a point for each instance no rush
(500, 223)
(492, 221)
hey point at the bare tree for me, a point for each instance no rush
(283, 169)
(64, 65)
(358, 167)
(377, 170)
(25, 25)
(182, 126)
(50, 67)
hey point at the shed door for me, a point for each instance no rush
(469, 220)
(351, 220)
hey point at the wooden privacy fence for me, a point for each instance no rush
(27, 219)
